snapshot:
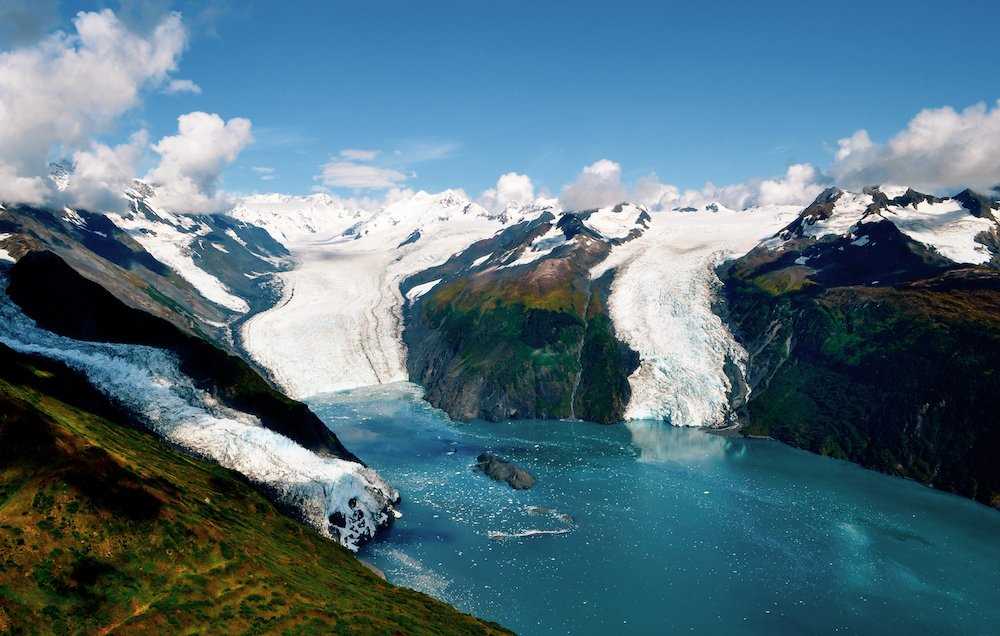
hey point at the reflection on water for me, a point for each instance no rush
(660, 442)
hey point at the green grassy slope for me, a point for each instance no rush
(104, 527)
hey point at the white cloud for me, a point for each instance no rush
(349, 174)
(857, 143)
(18, 189)
(58, 93)
(176, 86)
(653, 194)
(800, 185)
(416, 152)
(940, 148)
(355, 154)
(101, 173)
(598, 185)
(511, 189)
(192, 161)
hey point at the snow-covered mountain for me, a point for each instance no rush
(223, 257)
(871, 322)
(527, 311)
(292, 220)
(962, 228)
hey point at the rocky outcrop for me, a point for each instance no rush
(502, 470)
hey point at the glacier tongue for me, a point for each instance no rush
(343, 500)
(661, 305)
(339, 325)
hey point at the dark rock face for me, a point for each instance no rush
(61, 300)
(501, 470)
(887, 355)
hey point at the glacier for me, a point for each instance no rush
(344, 501)
(661, 304)
(339, 323)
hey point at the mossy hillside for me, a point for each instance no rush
(104, 527)
(512, 338)
(901, 379)
(535, 344)
(606, 363)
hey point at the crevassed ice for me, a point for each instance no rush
(342, 307)
(661, 305)
(148, 382)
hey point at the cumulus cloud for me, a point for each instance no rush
(856, 144)
(940, 148)
(57, 94)
(101, 173)
(360, 176)
(597, 185)
(356, 154)
(17, 189)
(176, 86)
(800, 185)
(191, 162)
(600, 184)
(511, 189)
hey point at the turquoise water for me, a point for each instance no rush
(653, 529)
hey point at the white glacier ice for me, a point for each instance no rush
(339, 324)
(661, 305)
(149, 384)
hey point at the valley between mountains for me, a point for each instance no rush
(168, 354)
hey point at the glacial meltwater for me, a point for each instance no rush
(649, 529)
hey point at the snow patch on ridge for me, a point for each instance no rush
(169, 240)
(149, 383)
(615, 222)
(945, 226)
(4, 254)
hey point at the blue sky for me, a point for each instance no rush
(465, 91)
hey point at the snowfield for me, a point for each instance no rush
(149, 384)
(661, 306)
(339, 325)
(292, 220)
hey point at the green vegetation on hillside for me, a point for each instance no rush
(903, 379)
(104, 527)
(535, 344)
